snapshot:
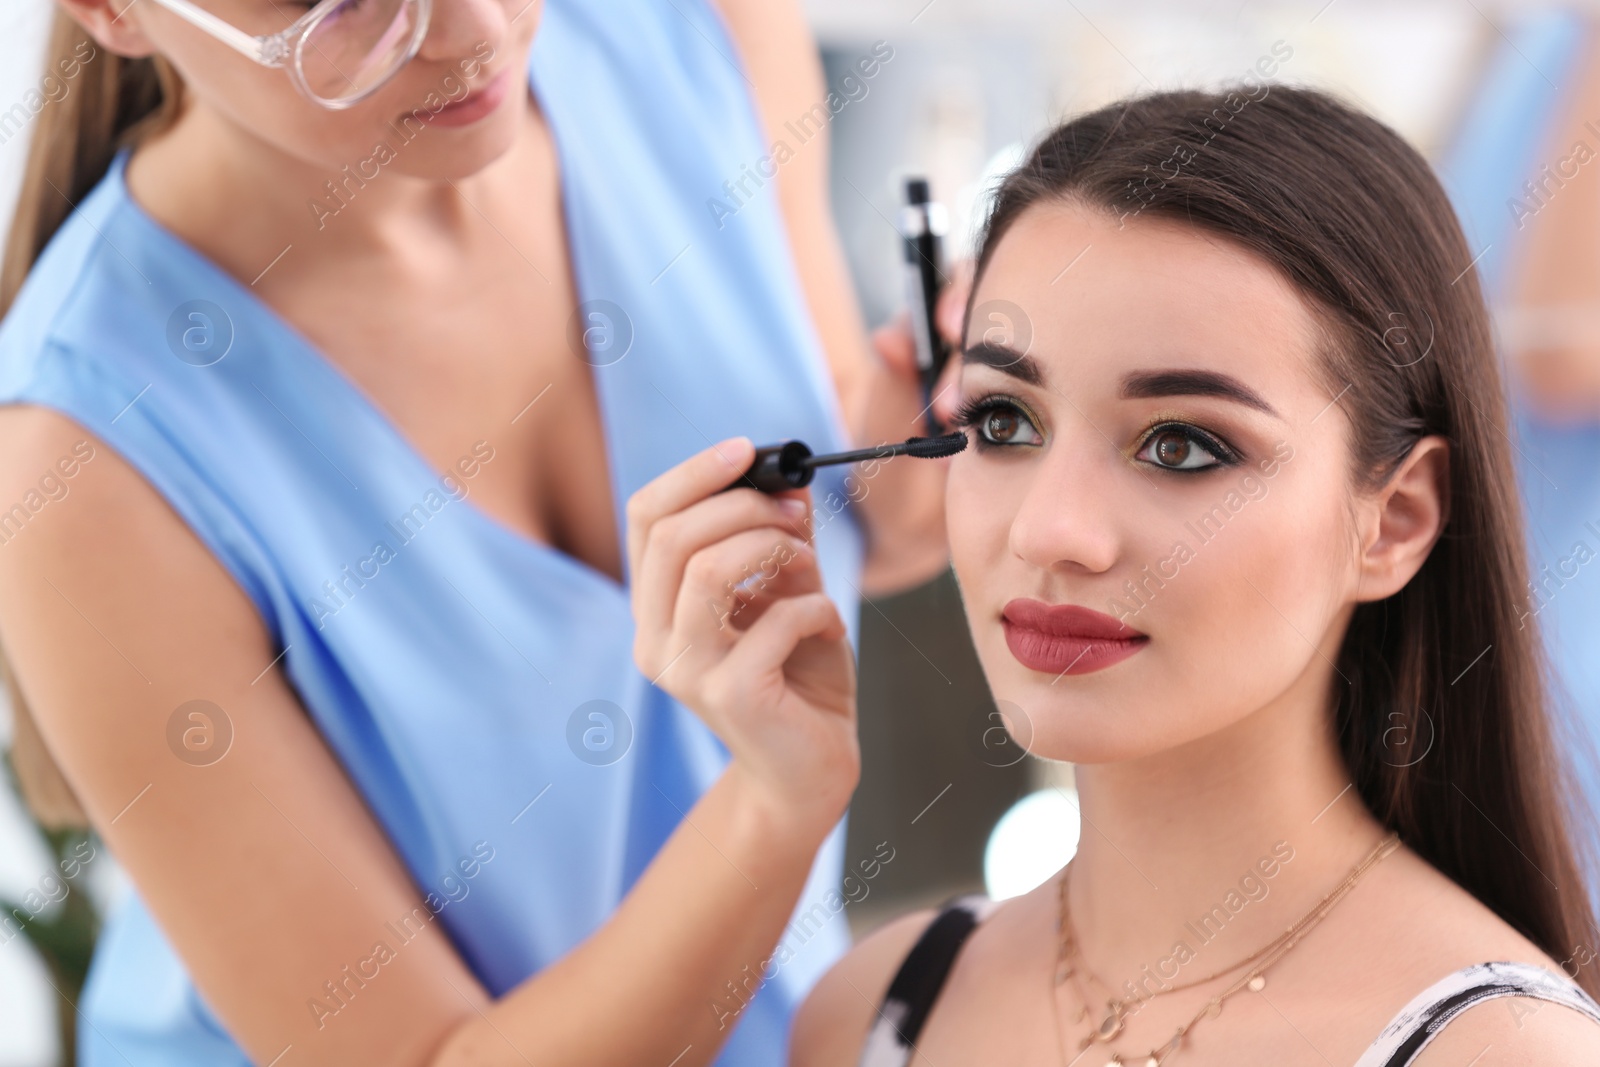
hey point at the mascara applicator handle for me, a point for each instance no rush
(776, 468)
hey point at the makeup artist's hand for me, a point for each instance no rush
(896, 345)
(770, 668)
(904, 502)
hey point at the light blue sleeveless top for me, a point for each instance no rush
(1503, 141)
(452, 664)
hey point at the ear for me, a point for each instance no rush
(1402, 520)
(114, 25)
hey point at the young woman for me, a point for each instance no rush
(1236, 533)
(319, 413)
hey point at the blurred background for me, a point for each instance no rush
(1490, 92)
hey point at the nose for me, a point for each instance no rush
(458, 27)
(1067, 520)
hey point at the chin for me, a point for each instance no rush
(1086, 734)
(453, 152)
(464, 156)
(1086, 719)
(1074, 731)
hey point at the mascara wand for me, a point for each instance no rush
(791, 465)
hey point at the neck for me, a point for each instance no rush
(1215, 846)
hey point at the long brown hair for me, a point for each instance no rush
(1354, 217)
(110, 101)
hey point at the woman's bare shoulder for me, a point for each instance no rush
(1450, 925)
(1435, 927)
(50, 465)
(1513, 1031)
(831, 1026)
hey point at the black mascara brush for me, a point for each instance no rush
(791, 465)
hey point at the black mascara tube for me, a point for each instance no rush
(923, 223)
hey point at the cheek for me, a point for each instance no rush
(264, 101)
(1251, 611)
(978, 516)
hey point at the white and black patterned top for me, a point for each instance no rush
(1420, 1021)
(917, 983)
(922, 974)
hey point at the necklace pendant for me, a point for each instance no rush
(1109, 1027)
(1256, 984)
(1152, 1061)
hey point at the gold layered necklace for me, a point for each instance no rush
(1071, 968)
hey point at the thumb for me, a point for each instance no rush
(952, 306)
(946, 395)
(895, 345)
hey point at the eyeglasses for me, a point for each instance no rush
(338, 53)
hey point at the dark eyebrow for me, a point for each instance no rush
(1006, 360)
(1144, 384)
(1135, 384)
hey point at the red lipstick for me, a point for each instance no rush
(1066, 639)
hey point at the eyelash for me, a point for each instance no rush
(973, 411)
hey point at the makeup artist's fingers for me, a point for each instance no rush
(783, 700)
(802, 526)
(768, 649)
(696, 637)
(895, 344)
(950, 314)
(946, 394)
(743, 589)
(796, 576)
(695, 478)
(952, 306)
(673, 538)
(706, 598)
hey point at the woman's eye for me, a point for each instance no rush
(1005, 425)
(1183, 448)
(998, 422)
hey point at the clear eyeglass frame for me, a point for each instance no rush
(286, 48)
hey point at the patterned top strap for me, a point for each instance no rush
(1420, 1021)
(917, 983)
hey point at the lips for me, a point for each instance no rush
(477, 104)
(1067, 639)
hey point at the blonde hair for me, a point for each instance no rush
(112, 101)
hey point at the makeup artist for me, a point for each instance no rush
(338, 337)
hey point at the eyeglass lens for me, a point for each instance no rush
(356, 46)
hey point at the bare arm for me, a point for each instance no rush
(265, 869)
